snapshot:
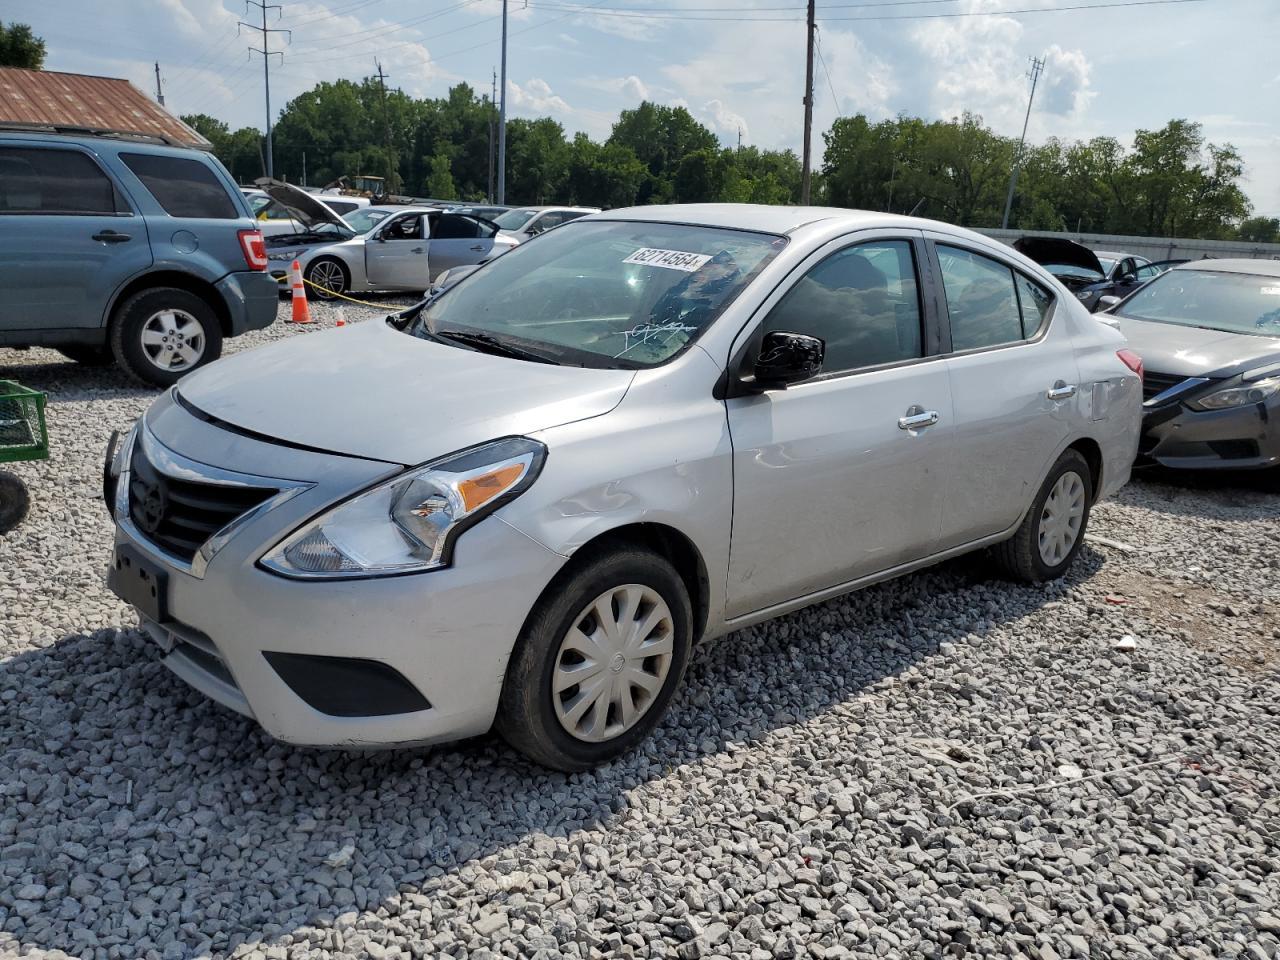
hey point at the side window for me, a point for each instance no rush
(183, 187)
(547, 221)
(981, 299)
(454, 227)
(404, 228)
(1147, 272)
(54, 181)
(863, 302)
(1035, 301)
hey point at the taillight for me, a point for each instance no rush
(1131, 360)
(255, 250)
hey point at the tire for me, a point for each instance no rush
(88, 356)
(140, 321)
(14, 501)
(321, 271)
(528, 717)
(1022, 556)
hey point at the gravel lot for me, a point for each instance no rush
(946, 765)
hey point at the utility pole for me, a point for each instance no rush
(806, 173)
(493, 100)
(267, 54)
(159, 89)
(739, 138)
(1037, 67)
(392, 173)
(502, 116)
(304, 168)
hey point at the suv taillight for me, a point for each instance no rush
(1131, 360)
(255, 250)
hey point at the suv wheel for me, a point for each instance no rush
(159, 335)
(598, 661)
(88, 356)
(1052, 532)
(328, 274)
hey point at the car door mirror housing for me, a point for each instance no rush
(1107, 302)
(787, 358)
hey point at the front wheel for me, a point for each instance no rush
(327, 278)
(1052, 532)
(160, 335)
(598, 661)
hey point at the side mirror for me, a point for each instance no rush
(1106, 303)
(787, 358)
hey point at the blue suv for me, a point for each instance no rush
(119, 248)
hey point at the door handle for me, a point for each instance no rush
(110, 236)
(913, 421)
(479, 248)
(418, 250)
(1061, 391)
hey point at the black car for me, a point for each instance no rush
(1089, 275)
(1208, 332)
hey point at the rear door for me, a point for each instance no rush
(396, 255)
(842, 476)
(458, 240)
(69, 235)
(1014, 384)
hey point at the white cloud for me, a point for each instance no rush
(724, 121)
(536, 96)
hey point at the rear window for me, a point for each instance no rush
(184, 188)
(341, 207)
(34, 180)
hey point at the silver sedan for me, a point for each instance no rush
(522, 503)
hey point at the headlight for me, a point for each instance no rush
(409, 523)
(287, 257)
(1083, 294)
(1239, 396)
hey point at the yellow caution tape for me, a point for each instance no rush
(341, 296)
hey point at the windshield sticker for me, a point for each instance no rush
(1271, 291)
(671, 259)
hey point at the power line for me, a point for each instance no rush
(309, 44)
(632, 14)
(835, 101)
(391, 46)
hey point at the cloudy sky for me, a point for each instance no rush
(738, 65)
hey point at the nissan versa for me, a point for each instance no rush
(520, 503)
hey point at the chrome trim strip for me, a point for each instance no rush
(1177, 390)
(175, 465)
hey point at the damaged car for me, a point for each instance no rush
(1209, 334)
(1088, 274)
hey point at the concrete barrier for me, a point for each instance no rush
(1153, 248)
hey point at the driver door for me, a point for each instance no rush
(457, 241)
(396, 256)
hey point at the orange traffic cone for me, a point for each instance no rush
(301, 312)
(341, 321)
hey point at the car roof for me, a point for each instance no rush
(770, 219)
(1258, 268)
(544, 209)
(399, 208)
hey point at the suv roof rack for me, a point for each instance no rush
(72, 130)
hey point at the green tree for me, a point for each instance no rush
(537, 160)
(440, 184)
(661, 137)
(240, 151)
(19, 47)
(1260, 230)
(603, 175)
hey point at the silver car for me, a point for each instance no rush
(523, 502)
(524, 223)
(404, 250)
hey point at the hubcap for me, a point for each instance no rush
(1062, 518)
(613, 662)
(327, 274)
(173, 340)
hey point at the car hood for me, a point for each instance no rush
(1047, 250)
(307, 208)
(371, 391)
(1196, 352)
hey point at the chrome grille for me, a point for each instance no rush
(1154, 384)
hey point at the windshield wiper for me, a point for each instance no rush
(487, 343)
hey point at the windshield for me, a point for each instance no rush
(1072, 270)
(362, 221)
(605, 294)
(514, 219)
(1107, 264)
(1230, 302)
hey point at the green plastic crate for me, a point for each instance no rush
(23, 434)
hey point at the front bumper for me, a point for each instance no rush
(251, 299)
(230, 627)
(1240, 438)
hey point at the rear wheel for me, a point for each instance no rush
(1052, 532)
(598, 661)
(88, 356)
(160, 335)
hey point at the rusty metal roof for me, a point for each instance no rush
(80, 103)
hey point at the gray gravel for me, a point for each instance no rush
(947, 765)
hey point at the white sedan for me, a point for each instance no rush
(406, 250)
